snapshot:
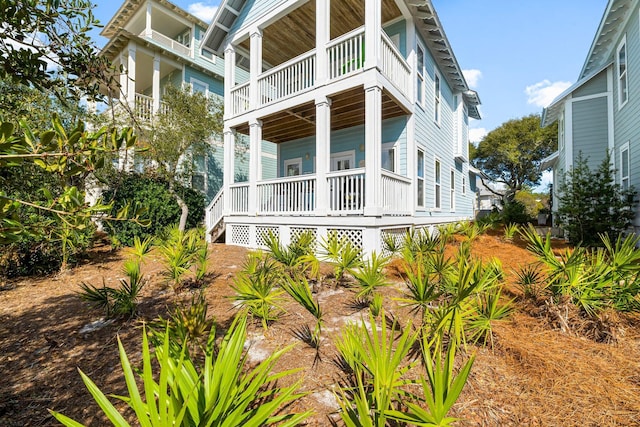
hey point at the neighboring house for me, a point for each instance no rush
(602, 110)
(365, 107)
(485, 190)
(158, 44)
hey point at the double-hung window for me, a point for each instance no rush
(420, 75)
(621, 73)
(420, 179)
(437, 100)
(624, 166)
(437, 184)
(452, 196)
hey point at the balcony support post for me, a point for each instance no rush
(255, 142)
(323, 153)
(372, 29)
(147, 22)
(229, 167)
(156, 83)
(230, 78)
(323, 35)
(131, 74)
(373, 150)
(256, 67)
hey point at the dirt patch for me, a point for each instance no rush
(535, 375)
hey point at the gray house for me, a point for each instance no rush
(601, 112)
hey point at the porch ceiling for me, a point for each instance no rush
(294, 34)
(347, 110)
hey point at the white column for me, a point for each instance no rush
(156, 83)
(131, 73)
(147, 27)
(228, 167)
(373, 149)
(323, 154)
(124, 79)
(412, 57)
(372, 28)
(255, 142)
(412, 161)
(256, 67)
(323, 35)
(229, 78)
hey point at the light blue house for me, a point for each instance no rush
(601, 112)
(358, 112)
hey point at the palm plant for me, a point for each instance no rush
(529, 280)
(141, 248)
(369, 277)
(510, 231)
(422, 291)
(486, 310)
(298, 288)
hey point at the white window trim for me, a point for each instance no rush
(213, 55)
(421, 71)
(464, 185)
(437, 186)
(193, 80)
(349, 153)
(421, 207)
(621, 45)
(295, 161)
(437, 97)
(561, 131)
(623, 148)
(388, 146)
(452, 190)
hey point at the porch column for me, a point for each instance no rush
(229, 78)
(372, 28)
(156, 83)
(255, 141)
(228, 167)
(323, 34)
(124, 77)
(131, 72)
(373, 149)
(147, 27)
(256, 67)
(323, 153)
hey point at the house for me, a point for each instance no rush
(155, 43)
(489, 194)
(363, 103)
(601, 111)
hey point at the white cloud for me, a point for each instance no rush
(543, 93)
(472, 77)
(202, 10)
(547, 178)
(476, 135)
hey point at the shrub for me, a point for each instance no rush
(515, 212)
(153, 193)
(591, 203)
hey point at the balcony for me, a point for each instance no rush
(167, 42)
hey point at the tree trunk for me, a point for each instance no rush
(183, 207)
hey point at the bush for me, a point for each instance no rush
(153, 193)
(592, 203)
(515, 212)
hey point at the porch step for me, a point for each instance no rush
(217, 232)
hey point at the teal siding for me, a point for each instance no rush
(215, 85)
(269, 160)
(597, 84)
(590, 130)
(252, 10)
(400, 28)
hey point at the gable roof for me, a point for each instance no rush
(428, 24)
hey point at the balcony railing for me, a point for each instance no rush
(346, 192)
(287, 196)
(168, 42)
(240, 198)
(240, 99)
(143, 107)
(396, 194)
(288, 79)
(394, 66)
(346, 53)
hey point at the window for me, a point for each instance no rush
(420, 179)
(293, 167)
(561, 131)
(207, 55)
(343, 160)
(436, 99)
(452, 197)
(420, 75)
(624, 166)
(198, 181)
(621, 69)
(437, 184)
(389, 156)
(199, 86)
(464, 185)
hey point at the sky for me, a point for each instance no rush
(517, 54)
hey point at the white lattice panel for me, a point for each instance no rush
(262, 232)
(351, 234)
(296, 232)
(397, 234)
(240, 235)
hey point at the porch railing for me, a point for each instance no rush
(287, 196)
(396, 194)
(214, 212)
(288, 79)
(346, 191)
(143, 107)
(240, 99)
(240, 198)
(394, 66)
(346, 53)
(168, 42)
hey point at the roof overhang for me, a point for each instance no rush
(130, 7)
(549, 161)
(221, 25)
(611, 26)
(551, 113)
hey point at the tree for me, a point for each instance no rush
(180, 131)
(591, 203)
(46, 44)
(511, 153)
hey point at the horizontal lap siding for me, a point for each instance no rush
(590, 130)
(253, 10)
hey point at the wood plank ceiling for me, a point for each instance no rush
(294, 34)
(347, 110)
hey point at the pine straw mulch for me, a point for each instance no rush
(546, 368)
